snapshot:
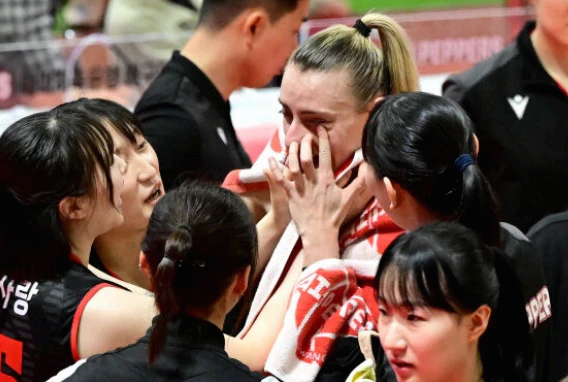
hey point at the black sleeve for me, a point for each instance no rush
(176, 138)
(552, 246)
(454, 89)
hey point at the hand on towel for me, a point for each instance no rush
(317, 204)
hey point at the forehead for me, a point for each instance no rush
(314, 89)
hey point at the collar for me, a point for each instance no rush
(190, 331)
(186, 67)
(533, 73)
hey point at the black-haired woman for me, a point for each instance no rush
(451, 309)
(201, 246)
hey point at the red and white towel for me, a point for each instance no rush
(333, 298)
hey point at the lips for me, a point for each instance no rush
(401, 368)
(155, 194)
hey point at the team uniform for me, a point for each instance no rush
(520, 116)
(188, 123)
(525, 261)
(550, 239)
(193, 351)
(39, 323)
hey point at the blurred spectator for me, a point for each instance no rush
(175, 19)
(35, 65)
(518, 100)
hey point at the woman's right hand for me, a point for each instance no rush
(317, 204)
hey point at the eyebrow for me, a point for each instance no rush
(309, 112)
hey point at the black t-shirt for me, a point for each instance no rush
(39, 323)
(193, 351)
(520, 115)
(188, 123)
(550, 237)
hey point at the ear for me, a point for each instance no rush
(478, 322)
(476, 140)
(241, 282)
(255, 24)
(143, 264)
(74, 207)
(393, 191)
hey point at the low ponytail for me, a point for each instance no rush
(399, 69)
(176, 249)
(506, 348)
(478, 208)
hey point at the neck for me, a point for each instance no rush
(80, 241)
(120, 253)
(212, 53)
(216, 317)
(552, 55)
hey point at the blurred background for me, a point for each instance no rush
(52, 51)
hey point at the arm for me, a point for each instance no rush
(254, 347)
(113, 318)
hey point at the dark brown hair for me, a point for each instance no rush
(44, 158)
(199, 237)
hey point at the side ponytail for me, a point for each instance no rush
(400, 72)
(176, 249)
(478, 208)
(506, 348)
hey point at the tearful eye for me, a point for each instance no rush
(413, 317)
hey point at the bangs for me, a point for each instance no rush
(414, 281)
(127, 127)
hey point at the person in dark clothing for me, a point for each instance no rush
(518, 101)
(185, 111)
(550, 239)
(201, 247)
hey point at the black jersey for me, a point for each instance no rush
(193, 351)
(39, 323)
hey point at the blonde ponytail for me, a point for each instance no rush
(372, 71)
(400, 70)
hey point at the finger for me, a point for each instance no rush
(353, 190)
(294, 167)
(325, 165)
(307, 158)
(279, 177)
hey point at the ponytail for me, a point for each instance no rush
(372, 72)
(478, 208)
(177, 246)
(400, 73)
(506, 348)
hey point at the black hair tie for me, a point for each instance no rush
(362, 28)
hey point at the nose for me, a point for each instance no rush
(392, 337)
(147, 171)
(296, 131)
